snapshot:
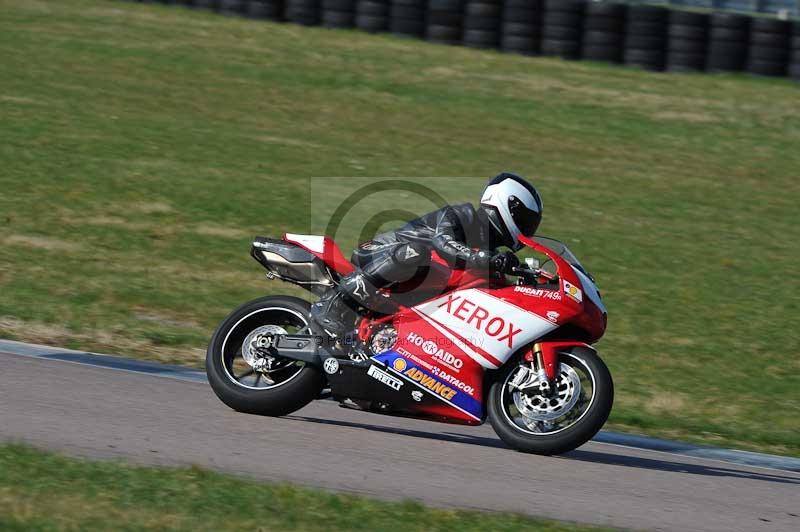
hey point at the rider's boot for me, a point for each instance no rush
(334, 314)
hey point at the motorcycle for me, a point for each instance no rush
(514, 348)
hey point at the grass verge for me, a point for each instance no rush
(82, 495)
(142, 145)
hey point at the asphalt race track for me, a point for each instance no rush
(102, 413)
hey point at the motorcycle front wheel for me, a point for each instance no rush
(246, 373)
(531, 416)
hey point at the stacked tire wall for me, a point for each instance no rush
(264, 9)
(768, 54)
(562, 28)
(232, 7)
(727, 44)
(646, 37)
(482, 23)
(204, 4)
(407, 17)
(304, 12)
(372, 15)
(638, 35)
(445, 21)
(604, 32)
(687, 41)
(794, 52)
(338, 13)
(521, 26)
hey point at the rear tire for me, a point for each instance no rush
(293, 386)
(555, 440)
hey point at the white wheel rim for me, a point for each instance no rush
(233, 378)
(505, 391)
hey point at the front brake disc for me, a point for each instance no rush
(538, 406)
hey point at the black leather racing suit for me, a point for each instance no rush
(460, 234)
(452, 231)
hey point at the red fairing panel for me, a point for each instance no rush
(586, 315)
(592, 320)
(323, 248)
(437, 363)
(550, 350)
(490, 325)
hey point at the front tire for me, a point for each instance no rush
(524, 424)
(277, 390)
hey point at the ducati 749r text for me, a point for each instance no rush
(514, 348)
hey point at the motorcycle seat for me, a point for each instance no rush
(290, 252)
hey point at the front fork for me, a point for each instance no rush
(544, 359)
(545, 356)
(540, 377)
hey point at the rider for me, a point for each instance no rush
(465, 237)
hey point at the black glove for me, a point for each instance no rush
(503, 263)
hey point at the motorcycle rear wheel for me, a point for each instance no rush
(575, 427)
(284, 387)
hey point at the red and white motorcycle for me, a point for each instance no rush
(515, 349)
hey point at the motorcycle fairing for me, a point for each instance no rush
(438, 367)
(375, 384)
(491, 325)
(477, 329)
(325, 249)
(424, 379)
(549, 353)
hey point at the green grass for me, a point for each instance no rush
(142, 145)
(42, 491)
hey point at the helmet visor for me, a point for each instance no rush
(527, 220)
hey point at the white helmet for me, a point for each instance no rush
(513, 207)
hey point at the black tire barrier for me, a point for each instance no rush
(643, 36)
(372, 24)
(604, 32)
(521, 26)
(205, 4)
(407, 17)
(372, 16)
(482, 23)
(562, 28)
(443, 34)
(338, 13)
(264, 9)
(687, 37)
(338, 5)
(480, 38)
(728, 42)
(338, 19)
(303, 12)
(232, 7)
(768, 54)
(373, 8)
(646, 37)
(445, 21)
(794, 52)
(407, 27)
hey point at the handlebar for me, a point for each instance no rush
(534, 272)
